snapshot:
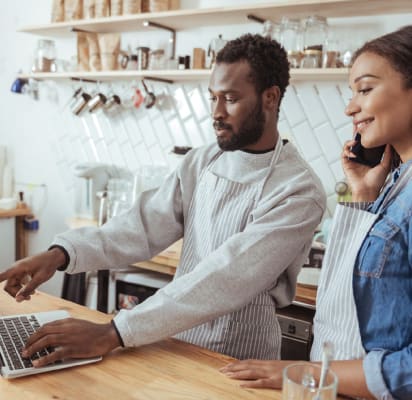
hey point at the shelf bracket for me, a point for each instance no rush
(73, 29)
(255, 18)
(73, 78)
(166, 28)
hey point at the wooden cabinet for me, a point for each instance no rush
(185, 19)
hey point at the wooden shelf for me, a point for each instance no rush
(329, 74)
(194, 18)
(16, 212)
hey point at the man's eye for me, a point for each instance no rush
(230, 100)
(212, 98)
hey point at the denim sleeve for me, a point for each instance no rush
(389, 374)
(374, 375)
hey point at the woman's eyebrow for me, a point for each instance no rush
(365, 76)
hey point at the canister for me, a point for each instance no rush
(142, 58)
(315, 35)
(45, 56)
(291, 40)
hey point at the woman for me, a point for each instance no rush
(365, 291)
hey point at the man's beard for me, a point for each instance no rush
(248, 134)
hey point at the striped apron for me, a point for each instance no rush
(219, 209)
(336, 317)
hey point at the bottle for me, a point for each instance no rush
(45, 55)
(21, 203)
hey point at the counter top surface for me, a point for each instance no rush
(170, 369)
(15, 212)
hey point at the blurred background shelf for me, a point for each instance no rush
(187, 75)
(194, 18)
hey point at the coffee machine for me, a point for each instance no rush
(92, 179)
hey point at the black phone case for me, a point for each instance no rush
(370, 157)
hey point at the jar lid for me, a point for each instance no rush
(144, 48)
(294, 53)
(317, 47)
(312, 52)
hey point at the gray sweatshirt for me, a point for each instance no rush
(266, 256)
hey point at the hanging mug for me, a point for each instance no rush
(18, 85)
(97, 102)
(79, 105)
(150, 98)
(112, 105)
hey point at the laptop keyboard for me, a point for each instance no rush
(14, 332)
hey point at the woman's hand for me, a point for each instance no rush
(257, 373)
(71, 338)
(365, 182)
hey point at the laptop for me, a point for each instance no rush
(14, 331)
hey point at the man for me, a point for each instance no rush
(247, 208)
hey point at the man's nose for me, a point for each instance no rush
(219, 110)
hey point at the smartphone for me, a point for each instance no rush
(370, 157)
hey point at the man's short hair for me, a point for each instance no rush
(267, 58)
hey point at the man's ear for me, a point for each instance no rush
(271, 97)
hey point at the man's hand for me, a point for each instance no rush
(27, 274)
(71, 338)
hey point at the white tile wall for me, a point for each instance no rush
(312, 117)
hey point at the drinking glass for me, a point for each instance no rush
(119, 196)
(300, 382)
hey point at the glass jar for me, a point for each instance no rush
(44, 57)
(291, 40)
(315, 35)
(143, 58)
(311, 59)
(271, 30)
(157, 59)
(331, 54)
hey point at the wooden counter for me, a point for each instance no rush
(21, 236)
(169, 370)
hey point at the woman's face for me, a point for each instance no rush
(381, 107)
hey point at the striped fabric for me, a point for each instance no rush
(221, 208)
(336, 319)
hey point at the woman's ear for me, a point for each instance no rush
(271, 97)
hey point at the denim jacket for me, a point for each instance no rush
(382, 286)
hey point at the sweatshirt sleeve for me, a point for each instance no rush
(153, 223)
(249, 262)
